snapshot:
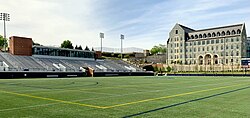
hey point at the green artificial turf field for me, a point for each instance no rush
(126, 97)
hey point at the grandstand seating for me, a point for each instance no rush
(69, 64)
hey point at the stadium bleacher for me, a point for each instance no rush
(11, 62)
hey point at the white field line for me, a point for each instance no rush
(80, 100)
(118, 87)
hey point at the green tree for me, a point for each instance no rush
(158, 49)
(67, 44)
(80, 47)
(2, 42)
(87, 48)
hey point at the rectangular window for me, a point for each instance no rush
(176, 31)
(203, 42)
(212, 41)
(208, 41)
(217, 40)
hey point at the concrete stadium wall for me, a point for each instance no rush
(103, 74)
(8, 75)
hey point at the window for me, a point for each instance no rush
(237, 53)
(176, 31)
(212, 48)
(209, 35)
(237, 46)
(196, 36)
(226, 53)
(204, 36)
(218, 33)
(200, 36)
(207, 48)
(199, 49)
(192, 36)
(203, 49)
(203, 42)
(228, 32)
(233, 32)
(212, 41)
(199, 42)
(208, 41)
(217, 41)
(237, 39)
(222, 47)
(226, 47)
(238, 31)
(213, 35)
(232, 40)
(232, 46)
(223, 33)
(222, 40)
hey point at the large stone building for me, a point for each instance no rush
(217, 49)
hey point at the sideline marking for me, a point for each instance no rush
(186, 102)
(51, 99)
(42, 105)
(119, 105)
(171, 96)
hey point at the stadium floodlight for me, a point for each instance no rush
(4, 17)
(122, 38)
(101, 36)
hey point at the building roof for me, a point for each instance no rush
(221, 27)
(187, 29)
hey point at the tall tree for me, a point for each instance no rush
(158, 49)
(80, 47)
(2, 42)
(76, 47)
(67, 44)
(87, 48)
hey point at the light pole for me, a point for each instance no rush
(4, 17)
(101, 36)
(232, 62)
(122, 37)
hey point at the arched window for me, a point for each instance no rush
(223, 33)
(218, 33)
(228, 32)
(196, 36)
(204, 36)
(213, 35)
(209, 35)
(238, 31)
(233, 32)
(200, 36)
(192, 36)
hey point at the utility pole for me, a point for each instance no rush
(5, 17)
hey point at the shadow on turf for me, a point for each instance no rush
(182, 103)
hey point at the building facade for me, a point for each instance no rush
(219, 48)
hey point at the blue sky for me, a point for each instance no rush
(144, 23)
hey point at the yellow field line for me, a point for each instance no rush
(51, 99)
(171, 96)
(118, 105)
